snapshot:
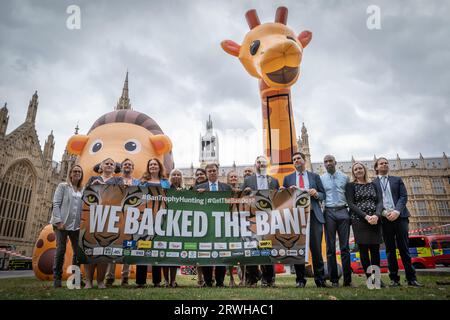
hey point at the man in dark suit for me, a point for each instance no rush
(395, 223)
(310, 181)
(261, 181)
(213, 184)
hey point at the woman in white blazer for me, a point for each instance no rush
(66, 217)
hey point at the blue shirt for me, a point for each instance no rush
(164, 183)
(335, 188)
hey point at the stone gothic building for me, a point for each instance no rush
(28, 178)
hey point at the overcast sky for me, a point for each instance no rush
(361, 92)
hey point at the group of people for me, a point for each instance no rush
(376, 211)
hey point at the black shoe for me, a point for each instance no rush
(57, 284)
(220, 285)
(414, 283)
(300, 284)
(109, 282)
(349, 284)
(124, 282)
(335, 284)
(394, 284)
(322, 284)
(382, 285)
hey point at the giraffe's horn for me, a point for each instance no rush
(252, 18)
(281, 15)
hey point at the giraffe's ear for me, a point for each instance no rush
(304, 38)
(231, 47)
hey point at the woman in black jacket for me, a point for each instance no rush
(365, 201)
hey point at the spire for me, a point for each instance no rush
(124, 101)
(4, 118)
(304, 148)
(209, 124)
(422, 161)
(77, 128)
(49, 147)
(353, 159)
(399, 163)
(304, 131)
(32, 108)
(445, 160)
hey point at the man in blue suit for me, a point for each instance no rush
(310, 181)
(213, 184)
(395, 223)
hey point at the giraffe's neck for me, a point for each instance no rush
(278, 129)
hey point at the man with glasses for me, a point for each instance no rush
(261, 181)
(303, 179)
(213, 184)
(394, 223)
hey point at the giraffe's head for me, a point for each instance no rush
(270, 51)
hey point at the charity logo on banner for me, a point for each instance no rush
(149, 225)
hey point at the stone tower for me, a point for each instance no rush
(209, 145)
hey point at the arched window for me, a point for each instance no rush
(16, 189)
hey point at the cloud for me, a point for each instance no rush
(361, 92)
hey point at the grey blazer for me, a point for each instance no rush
(62, 201)
(252, 183)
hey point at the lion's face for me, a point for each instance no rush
(114, 195)
(269, 201)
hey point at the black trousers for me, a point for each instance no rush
(61, 240)
(315, 245)
(373, 259)
(253, 274)
(395, 235)
(268, 273)
(156, 274)
(141, 274)
(338, 221)
(219, 274)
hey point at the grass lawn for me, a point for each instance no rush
(31, 288)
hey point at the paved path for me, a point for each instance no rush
(16, 274)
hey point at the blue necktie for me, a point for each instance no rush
(213, 187)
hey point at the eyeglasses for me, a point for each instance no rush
(295, 159)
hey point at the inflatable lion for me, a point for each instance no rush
(118, 135)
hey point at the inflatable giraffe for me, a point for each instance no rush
(272, 53)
